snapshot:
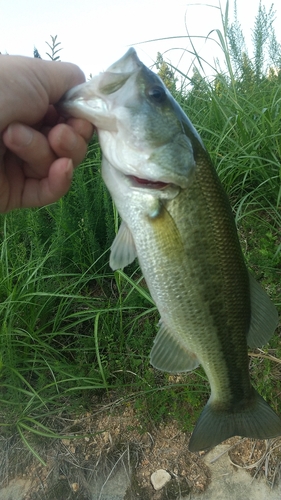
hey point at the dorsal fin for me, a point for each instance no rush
(264, 316)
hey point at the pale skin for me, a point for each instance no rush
(38, 148)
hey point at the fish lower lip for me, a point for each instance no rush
(146, 183)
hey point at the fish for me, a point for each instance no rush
(177, 220)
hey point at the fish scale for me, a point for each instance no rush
(177, 220)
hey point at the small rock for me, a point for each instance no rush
(159, 479)
(75, 486)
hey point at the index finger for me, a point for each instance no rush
(57, 77)
(29, 85)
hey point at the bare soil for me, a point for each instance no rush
(114, 436)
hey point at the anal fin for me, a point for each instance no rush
(169, 355)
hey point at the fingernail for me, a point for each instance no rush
(20, 135)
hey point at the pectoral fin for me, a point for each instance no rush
(169, 355)
(264, 316)
(123, 250)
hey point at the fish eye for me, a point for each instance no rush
(157, 93)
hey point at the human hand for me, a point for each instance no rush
(38, 149)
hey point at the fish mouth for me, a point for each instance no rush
(148, 183)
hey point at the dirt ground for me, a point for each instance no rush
(114, 437)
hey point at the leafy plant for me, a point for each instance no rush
(54, 48)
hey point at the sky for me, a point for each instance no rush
(95, 33)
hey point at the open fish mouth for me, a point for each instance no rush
(148, 183)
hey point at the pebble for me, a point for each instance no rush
(159, 479)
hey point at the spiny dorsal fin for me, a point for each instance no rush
(123, 250)
(169, 355)
(264, 316)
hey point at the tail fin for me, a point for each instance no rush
(258, 421)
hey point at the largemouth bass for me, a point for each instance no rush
(177, 220)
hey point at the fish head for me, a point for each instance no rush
(144, 135)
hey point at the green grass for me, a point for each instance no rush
(72, 330)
